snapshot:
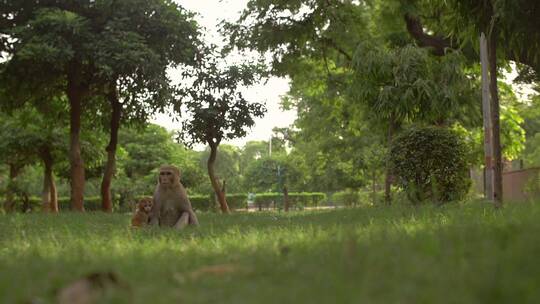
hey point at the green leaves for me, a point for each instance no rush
(408, 84)
(431, 164)
(215, 102)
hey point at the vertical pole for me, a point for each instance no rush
(495, 118)
(486, 110)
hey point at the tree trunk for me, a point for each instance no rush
(213, 179)
(46, 192)
(495, 119)
(285, 198)
(47, 200)
(75, 92)
(54, 195)
(388, 179)
(26, 203)
(106, 198)
(486, 113)
(9, 203)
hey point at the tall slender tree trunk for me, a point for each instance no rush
(495, 119)
(106, 197)
(75, 93)
(46, 192)
(54, 195)
(388, 178)
(213, 179)
(285, 198)
(49, 200)
(486, 113)
(9, 203)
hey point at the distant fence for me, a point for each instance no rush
(518, 185)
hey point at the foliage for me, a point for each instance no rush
(218, 110)
(107, 41)
(464, 20)
(299, 28)
(409, 85)
(234, 200)
(202, 203)
(354, 69)
(251, 152)
(92, 203)
(296, 200)
(357, 197)
(227, 167)
(347, 197)
(430, 163)
(532, 152)
(530, 111)
(272, 174)
(147, 149)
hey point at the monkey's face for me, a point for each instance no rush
(166, 177)
(145, 205)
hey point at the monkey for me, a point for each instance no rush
(172, 207)
(142, 213)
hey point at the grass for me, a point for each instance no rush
(453, 254)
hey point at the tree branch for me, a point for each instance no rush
(438, 44)
(333, 44)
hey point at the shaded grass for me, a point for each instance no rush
(452, 254)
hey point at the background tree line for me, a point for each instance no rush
(82, 79)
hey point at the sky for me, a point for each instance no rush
(210, 13)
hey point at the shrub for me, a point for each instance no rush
(430, 163)
(296, 200)
(347, 197)
(237, 201)
(91, 203)
(202, 202)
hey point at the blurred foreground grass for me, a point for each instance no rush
(452, 254)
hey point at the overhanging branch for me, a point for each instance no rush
(437, 43)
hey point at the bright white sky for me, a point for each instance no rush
(211, 12)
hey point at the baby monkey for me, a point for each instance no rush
(142, 213)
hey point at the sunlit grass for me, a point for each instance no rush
(451, 254)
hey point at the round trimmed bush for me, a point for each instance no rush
(431, 164)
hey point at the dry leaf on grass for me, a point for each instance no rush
(88, 289)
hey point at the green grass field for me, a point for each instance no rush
(453, 254)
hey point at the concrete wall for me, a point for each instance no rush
(515, 183)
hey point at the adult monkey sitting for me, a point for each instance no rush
(172, 207)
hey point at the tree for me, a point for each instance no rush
(147, 148)
(252, 151)
(408, 85)
(500, 20)
(349, 61)
(272, 173)
(17, 146)
(81, 48)
(137, 49)
(217, 108)
(28, 136)
(431, 164)
(227, 166)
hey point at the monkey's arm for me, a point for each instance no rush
(155, 211)
(185, 207)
